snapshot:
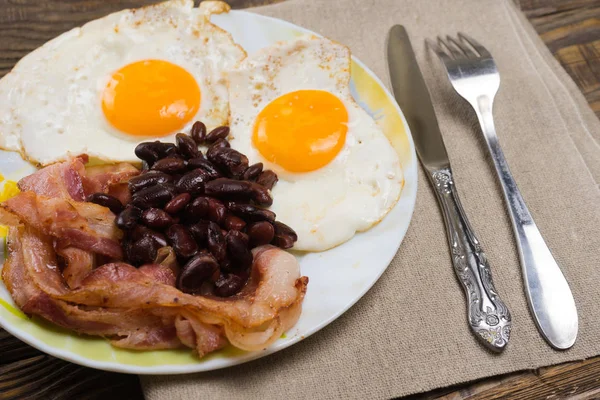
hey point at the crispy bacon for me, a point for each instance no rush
(111, 179)
(86, 226)
(61, 180)
(78, 264)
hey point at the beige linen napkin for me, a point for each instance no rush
(409, 332)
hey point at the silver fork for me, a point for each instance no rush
(473, 74)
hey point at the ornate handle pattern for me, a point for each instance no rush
(488, 316)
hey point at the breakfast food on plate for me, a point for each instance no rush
(178, 254)
(292, 109)
(186, 247)
(115, 82)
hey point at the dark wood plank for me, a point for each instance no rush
(570, 28)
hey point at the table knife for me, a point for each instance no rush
(488, 316)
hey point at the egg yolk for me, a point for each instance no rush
(301, 131)
(150, 98)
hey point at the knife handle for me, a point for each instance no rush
(488, 316)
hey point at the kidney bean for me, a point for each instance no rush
(216, 241)
(219, 143)
(250, 213)
(129, 217)
(186, 145)
(170, 150)
(143, 251)
(267, 179)
(170, 165)
(239, 190)
(198, 132)
(150, 178)
(177, 203)
(218, 133)
(153, 196)
(147, 151)
(237, 250)
(196, 210)
(182, 241)
(157, 218)
(252, 172)
(197, 270)
(139, 231)
(106, 200)
(192, 182)
(231, 222)
(230, 284)
(260, 233)
(200, 232)
(206, 166)
(229, 160)
(283, 229)
(284, 235)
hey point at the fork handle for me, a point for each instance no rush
(548, 293)
(488, 316)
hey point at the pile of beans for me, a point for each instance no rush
(208, 208)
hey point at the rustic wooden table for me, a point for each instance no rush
(570, 28)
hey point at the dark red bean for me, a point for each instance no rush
(198, 132)
(238, 190)
(143, 251)
(200, 232)
(186, 145)
(218, 133)
(153, 196)
(146, 151)
(250, 213)
(260, 233)
(178, 203)
(157, 218)
(150, 178)
(219, 143)
(231, 222)
(228, 160)
(170, 165)
(139, 231)
(195, 272)
(129, 217)
(196, 210)
(206, 166)
(253, 171)
(192, 182)
(284, 235)
(216, 241)
(106, 200)
(230, 284)
(283, 229)
(237, 250)
(283, 241)
(267, 179)
(182, 241)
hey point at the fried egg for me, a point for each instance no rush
(292, 109)
(129, 77)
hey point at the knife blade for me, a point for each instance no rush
(487, 315)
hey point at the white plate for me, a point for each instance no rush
(338, 277)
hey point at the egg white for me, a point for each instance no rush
(359, 186)
(50, 103)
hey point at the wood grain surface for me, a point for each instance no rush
(570, 29)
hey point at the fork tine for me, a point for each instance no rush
(438, 50)
(455, 53)
(475, 44)
(465, 49)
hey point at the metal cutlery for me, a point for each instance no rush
(487, 314)
(473, 74)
